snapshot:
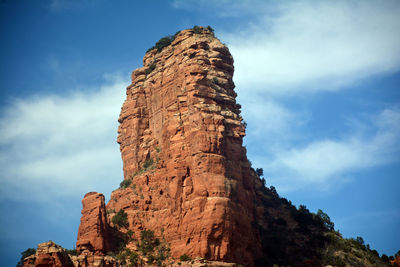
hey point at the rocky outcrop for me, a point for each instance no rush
(94, 234)
(49, 254)
(85, 260)
(395, 262)
(180, 137)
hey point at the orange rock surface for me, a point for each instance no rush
(180, 137)
(49, 254)
(94, 234)
(396, 261)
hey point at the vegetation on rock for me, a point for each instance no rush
(125, 183)
(147, 165)
(26, 253)
(311, 241)
(150, 69)
(150, 251)
(72, 252)
(120, 220)
(163, 42)
(184, 257)
(167, 40)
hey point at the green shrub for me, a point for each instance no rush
(215, 80)
(125, 183)
(210, 29)
(110, 211)
(28, 252)
(120, 220)
(133, 258)
(72, 252)
(129, 235)
(197, 30)
(150, 69)
(163, 42)
(326, 220)
(148, 242)
(122, 256)
(148, 163)
(260, 172)
(184, 257)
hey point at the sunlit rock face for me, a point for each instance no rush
(49, 254)
(186, 174)
(94, 234)
(180, 137)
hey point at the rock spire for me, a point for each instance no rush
(180, 137)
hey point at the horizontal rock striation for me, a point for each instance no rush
(49, 254)
(180, 137)
(95, 233)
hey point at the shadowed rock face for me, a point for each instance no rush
(94, 234)
(180, 137)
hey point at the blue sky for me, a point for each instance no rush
(318, 83)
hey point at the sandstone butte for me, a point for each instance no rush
(186, 172)
(180, 137)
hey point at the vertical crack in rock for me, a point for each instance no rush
(181, 134)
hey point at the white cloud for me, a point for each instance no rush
(225, 8)
(267, 116)
(55, 146)
(305, 46)
(290, 48)
(270, 120)
(326, 162)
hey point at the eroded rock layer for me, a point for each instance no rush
(49, 254)
(94, 234)
(180, 137)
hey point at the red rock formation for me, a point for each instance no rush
(94, 234)
(180, 137)
(396, 261)
(85, 260)
(49, 254)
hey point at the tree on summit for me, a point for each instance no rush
(24, 254)
(326, 220)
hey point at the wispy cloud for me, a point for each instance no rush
(329, 161)
(288, 49)
(228, 8)
(271, 120)
(308, 46)
(61, 145)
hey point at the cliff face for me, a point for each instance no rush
(180, 137)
